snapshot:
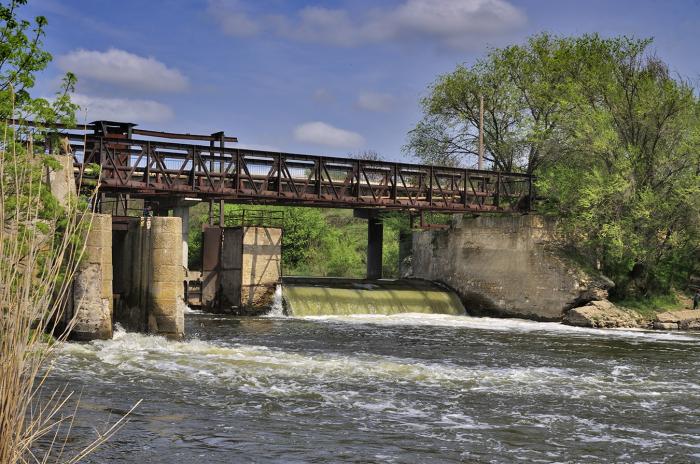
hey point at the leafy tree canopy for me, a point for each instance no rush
(613, 137)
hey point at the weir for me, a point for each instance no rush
(343, 297)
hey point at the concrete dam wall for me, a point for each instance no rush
(504, 266)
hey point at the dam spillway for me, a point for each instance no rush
(303, 296)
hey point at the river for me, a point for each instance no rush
(402, 388)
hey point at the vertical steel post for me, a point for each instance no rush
(430, 186)
(481, 132)
(497, 197)
(148, 164)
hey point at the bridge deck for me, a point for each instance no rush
(151, 168)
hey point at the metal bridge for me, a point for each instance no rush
(152, 165)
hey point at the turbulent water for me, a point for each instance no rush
(344, 297)
(400, 388)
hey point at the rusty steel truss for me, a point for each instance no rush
(155, 165)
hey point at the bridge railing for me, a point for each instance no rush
(154, 167)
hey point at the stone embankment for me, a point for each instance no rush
(603, 314)
(677, 320)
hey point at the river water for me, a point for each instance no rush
(401, 388)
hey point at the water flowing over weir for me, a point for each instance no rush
(344, 297)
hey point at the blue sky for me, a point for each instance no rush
(323, 77)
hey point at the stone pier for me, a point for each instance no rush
(91, 301)
(166, 306)
(149, 276)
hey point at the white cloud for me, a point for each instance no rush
(320, 133)
(121, 109)
(124, 69)
(377, 102)
(451, 23)
(232, 18)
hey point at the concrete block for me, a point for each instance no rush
(168, 273)
(503, 265)
(171, 225)
(165, 240)
(167, 290)
(93, 313)
(166, 256)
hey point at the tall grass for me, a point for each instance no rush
(40, 250)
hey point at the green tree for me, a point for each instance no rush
(613, 137)
(523, 89)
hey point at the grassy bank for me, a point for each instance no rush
(649, 306)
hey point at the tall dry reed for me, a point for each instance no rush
(41, 245)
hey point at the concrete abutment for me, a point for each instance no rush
(504, 266)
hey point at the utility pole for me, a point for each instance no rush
(481, 132)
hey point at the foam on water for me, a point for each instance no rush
(258, 368)
(277, 308)
(502, 325)
(404, 383)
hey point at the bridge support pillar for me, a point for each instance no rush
(166, 306)
(149, 276)
(183, 212)
(91, 302)
(375, 241)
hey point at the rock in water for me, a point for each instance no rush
(601, 314)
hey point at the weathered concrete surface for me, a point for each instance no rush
(602, 314)
(261, 266)
(682, 320)
(183, 212)
(241, 271)
(150, 276)
(166, 291)
(507, 266)
(61, 182)
(92, 285)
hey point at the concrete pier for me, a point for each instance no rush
(92, 286)
(166, 306)
(375, 243)
(149, 276)
(241, 268)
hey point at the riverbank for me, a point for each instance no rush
(671, 312)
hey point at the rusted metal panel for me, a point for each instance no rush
(216, 172)
(211, 249)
